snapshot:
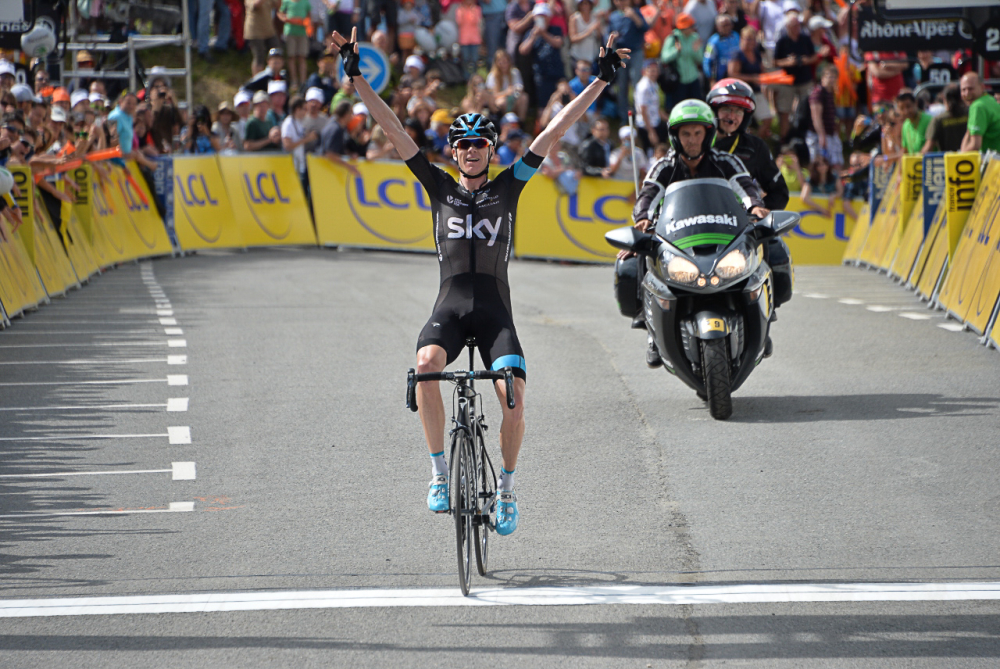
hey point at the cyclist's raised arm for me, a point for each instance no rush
(379, 110)
(608, 63)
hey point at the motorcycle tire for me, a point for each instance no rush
(718, 385)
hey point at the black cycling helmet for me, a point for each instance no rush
(472, 125)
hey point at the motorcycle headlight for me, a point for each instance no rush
(732, 265)
(682, 270)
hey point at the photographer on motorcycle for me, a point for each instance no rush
(733, 102)
(691, 129)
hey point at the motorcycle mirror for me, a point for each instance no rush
(630, 239)
(779, 222)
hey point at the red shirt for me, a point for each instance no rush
(884, 90)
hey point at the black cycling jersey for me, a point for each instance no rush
(714, 164)
(753, 151)
(473, 233)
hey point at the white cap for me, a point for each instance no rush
(276, 86)
(242, 97)
(260, 96)
(624, 132)
(510, 117)
(96, 97)
(58, 114)
(819, 23)
(414, 61)
(22, 92)
(316, 94)
(78, 96)
(542, 9)
(6, 67)
(360, 108)
(790, 6)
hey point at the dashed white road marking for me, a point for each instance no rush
(177, 379)
(913, 316)
(176, 404)
(815, 296)
(670, 595)
(173, 331)
(879, 309)
(164, 312)
(168, 321)
(850, 300)
(952, 327)
(177, 359)
(179, 435)
(174, 507)
(182, 471)
(177, 343)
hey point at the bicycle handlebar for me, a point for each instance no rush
(412, 379)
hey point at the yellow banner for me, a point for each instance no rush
(939, 227)
(83, 177)
(961, 172)
(909, 244)
(20, 287)
(911, 189)
(24, 200)
(110, 244)
(203, 217)
(937, 260)
(140, 223)
(884, 224)
(51, 260)
(852, 251)
(267, 200)
(972, 251)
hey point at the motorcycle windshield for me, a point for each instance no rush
(700, 211)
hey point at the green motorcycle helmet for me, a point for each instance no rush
(691, 111)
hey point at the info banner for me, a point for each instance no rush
(203, 217)
(911, 189)
(25, 201)
(933, 182)
(267, 200)
(961, 185)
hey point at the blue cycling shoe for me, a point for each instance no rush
(506, 512)
(437, 496)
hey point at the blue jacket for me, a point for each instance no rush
(630, 36)
(718, 51)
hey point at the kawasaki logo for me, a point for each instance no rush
(708, 219)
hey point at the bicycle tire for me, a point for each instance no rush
(486, 491)
(718, 386)
(462, 505)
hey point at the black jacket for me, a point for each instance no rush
(753, 151)
(593, 156)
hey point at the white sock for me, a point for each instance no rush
(438, 466)
(506, 481)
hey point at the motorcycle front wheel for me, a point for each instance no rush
(718, 386)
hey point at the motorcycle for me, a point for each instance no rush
(707, 292)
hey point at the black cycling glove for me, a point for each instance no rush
(352, 61)
(608, 65)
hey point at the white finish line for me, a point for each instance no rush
(578, 596)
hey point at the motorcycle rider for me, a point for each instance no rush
(692, 130)
(733, 102)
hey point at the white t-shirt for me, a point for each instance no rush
(647, 98)
(514, 80)
(294, 131)
(586, 49)
(772, 18)
(624, 171)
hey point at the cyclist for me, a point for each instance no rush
(691, 129)
(473, 225)
(733, 102)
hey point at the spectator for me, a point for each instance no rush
(747, 66)
(380, 148)
(544, 43)
(915, 122)
(437, 133)
(79, 101)
(494, 26)
(200, 20)
(703, 12)
(293, 13)
(341, 16)
(650, 119)
(7, 78)
(511, 150)
(683, 51)
(558, 166)
(557, 101)
(824, 46)
(719, 50)
(469, 19)
(409, 21)
(507, 86)
(771, 16)
(224, 129)
(294, 138)
(347, 93)
(519, 18)
(586, 30)
(415, 130)
(946, 131)
(315, 119)
(333, 139)
(477, 97)
(262, 134)
(273, 72)
(931, 70)
(243, 106)
(983, 130)
(509, 123)
(166, 122)
(325, 77)
(794, 51)
(622, 157)
(258, 30)
(885, 75)
(277, 93)
(200, 139)
(424, 91)
(824, 180)
(734, 8)
(60, 98)
(595, 152)
(41, 82)
(631, 28)
(357, 130)
(821, 137)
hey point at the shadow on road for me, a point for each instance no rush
(890, 406)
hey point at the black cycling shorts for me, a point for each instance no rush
(487, 318)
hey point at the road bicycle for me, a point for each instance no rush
(472, 480)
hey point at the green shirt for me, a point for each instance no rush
(678, 50)
(295, 9)
(914, 137)
(256, 130)
(984, 120)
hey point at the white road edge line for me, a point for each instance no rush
(544, 596)
(61, 474)
(74, 437)
(172, 380)
(175, 507)
(100, 361)
(913, 316)
(93, 407)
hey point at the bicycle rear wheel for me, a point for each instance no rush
(486, 506)
(462, 505)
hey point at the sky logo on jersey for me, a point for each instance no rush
(464, 229)
(707, 219)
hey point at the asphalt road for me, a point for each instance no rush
(863, 452)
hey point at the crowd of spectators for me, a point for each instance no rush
(819, 102)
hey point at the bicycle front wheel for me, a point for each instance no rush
(486, 506)
(462, 505)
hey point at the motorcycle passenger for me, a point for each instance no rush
(473, 225)
(691, 129)
(733, 102)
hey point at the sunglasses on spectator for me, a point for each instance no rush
(466, 144)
